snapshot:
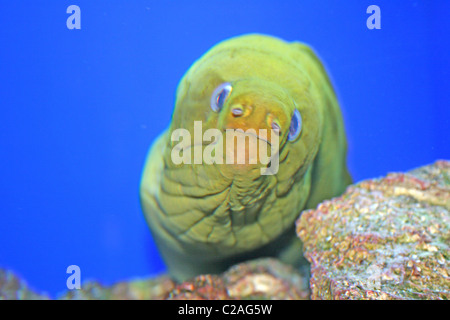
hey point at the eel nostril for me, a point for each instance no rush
(276, 127)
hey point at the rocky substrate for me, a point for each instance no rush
(386, 238)
(258, 279)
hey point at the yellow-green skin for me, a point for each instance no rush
(205, 218)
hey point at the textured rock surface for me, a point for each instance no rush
(13, 288)
(257, 279)
(140, 289)
(384, 238)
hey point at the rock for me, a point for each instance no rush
(140, 289)
(385, 238)
(257, 279)
(13, 288)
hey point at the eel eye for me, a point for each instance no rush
(220, 95)
(296, 126)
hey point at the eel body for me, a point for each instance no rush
(205, 217)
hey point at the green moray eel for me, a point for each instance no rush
(206, 217)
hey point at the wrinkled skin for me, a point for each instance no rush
(205, 218)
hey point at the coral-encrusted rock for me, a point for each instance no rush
(13, 288)
(204, 287)
(257, 279)
(267, 279)
(384, 238)
(143, 289)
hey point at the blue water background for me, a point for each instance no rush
(79, 109)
